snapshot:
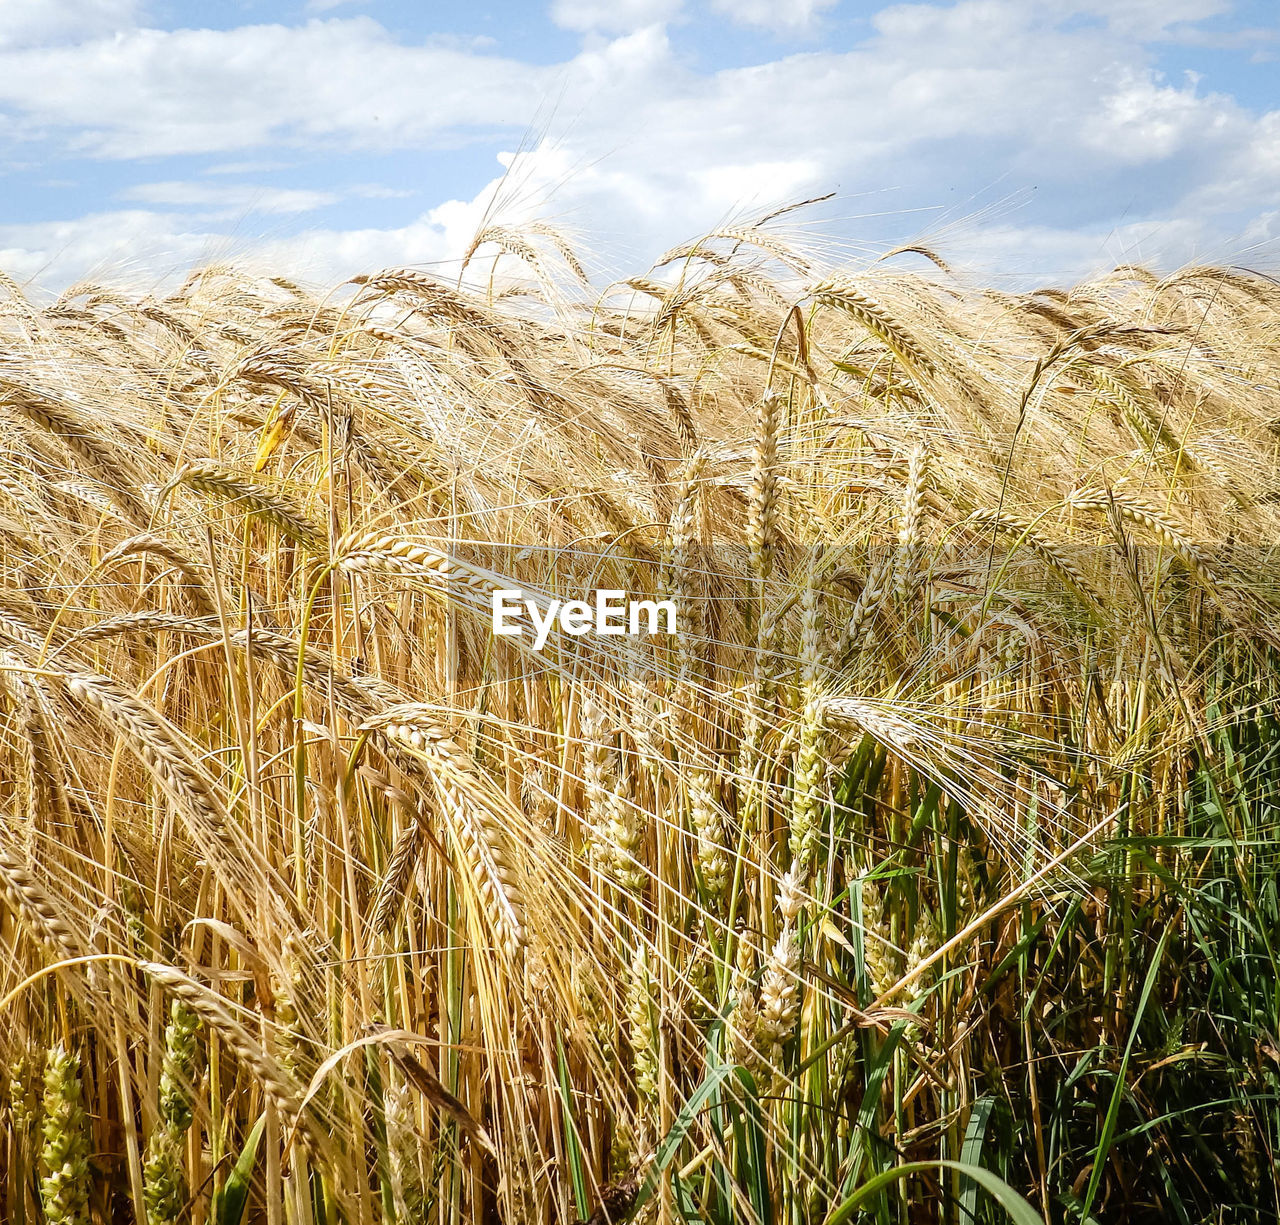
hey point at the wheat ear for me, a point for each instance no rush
(238, 489)
(1043, 548)
(1170, 534)
(393, 555)
(29, 899)
(276, 1084)
(908, 568)
(864, 309)
(154, 739)
(476, 830)
(102, 461)
(146, 543)
(66, 1178)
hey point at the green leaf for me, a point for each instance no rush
(685, 1207)
(581, 1200)
(869, 1107)
(679, 1129)
(1117, 1094)
(229, 1203)
(755, 1151)
(975, 1136)
(1020, 1212)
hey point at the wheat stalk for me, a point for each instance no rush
(762, 507)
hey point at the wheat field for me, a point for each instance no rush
(927, 872)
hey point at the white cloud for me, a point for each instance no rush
(1246, 177)
(613, 16)
(148, 93)
(230, 199)
(250, 167)
(1142, 120)
(1140, 18)
(134, 245)
(754, 184)
(784, 16)
(1130, 19)
(32, 22)
(143, 247)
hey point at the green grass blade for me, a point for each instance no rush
(1020, 1212)
(229, 1203)
(975, 1137)
(679, 1130)
(756, 1151)
(577, 1176)
(1117, 1094)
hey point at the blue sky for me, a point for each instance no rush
(1024, 138)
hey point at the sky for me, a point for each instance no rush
(1022, 139)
